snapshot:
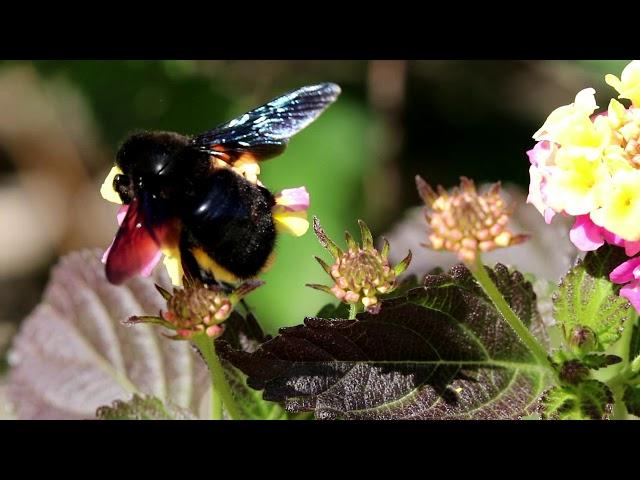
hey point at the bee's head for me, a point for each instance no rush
(146, 159)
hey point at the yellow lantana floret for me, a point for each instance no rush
(576, 183)
(570, 123)
(628, 85)
(173, 263)
(621, 213)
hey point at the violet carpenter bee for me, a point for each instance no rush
(198, 199)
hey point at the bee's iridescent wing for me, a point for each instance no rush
(265, 131)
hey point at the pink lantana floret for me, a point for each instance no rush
(626, 271)
(540, 155)
(293, 199)
(586, 235)
(148, 268)
(122, 213)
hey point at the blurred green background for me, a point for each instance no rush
(61, 123)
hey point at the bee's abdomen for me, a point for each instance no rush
(230, 220)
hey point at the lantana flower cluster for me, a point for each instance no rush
(587, 165)
(465, 221)
(197, 309)
(361, 274)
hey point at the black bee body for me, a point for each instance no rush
(178, 193)
(230, 220)
(222, 214)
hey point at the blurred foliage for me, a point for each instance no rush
(441, 119)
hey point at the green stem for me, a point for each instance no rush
(619, 408)
(538, 351)
(354, 309)
(222, 394)
(216, 405)
(618, 381)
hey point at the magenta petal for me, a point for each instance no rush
(586, 235)
(148, 268)
(631, 248)
(122, 212)
(106, 253)
(632, 293)
(613, 239)
(623, 273)
(293, 199)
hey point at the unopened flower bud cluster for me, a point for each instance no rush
(466, 222)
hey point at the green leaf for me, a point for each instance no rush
(73, 353)
(142, 408)
(250, 401)
(341, 310)
(589, 400)
(631, 399)
(634, 345)
(244, 334)
(596, 361)
(441, 351)
(634, 349)
(404, 286)
(587, 298)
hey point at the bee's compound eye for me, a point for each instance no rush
(122, 185)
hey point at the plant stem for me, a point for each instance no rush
(619, 408)
(353, 310)
(216, 405)
(538, 351)
(222, 395)
(617, 382)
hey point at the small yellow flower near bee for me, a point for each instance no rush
(290, 212)
(628, 85)
(293, 223)
(107, 191)
(173, 263)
